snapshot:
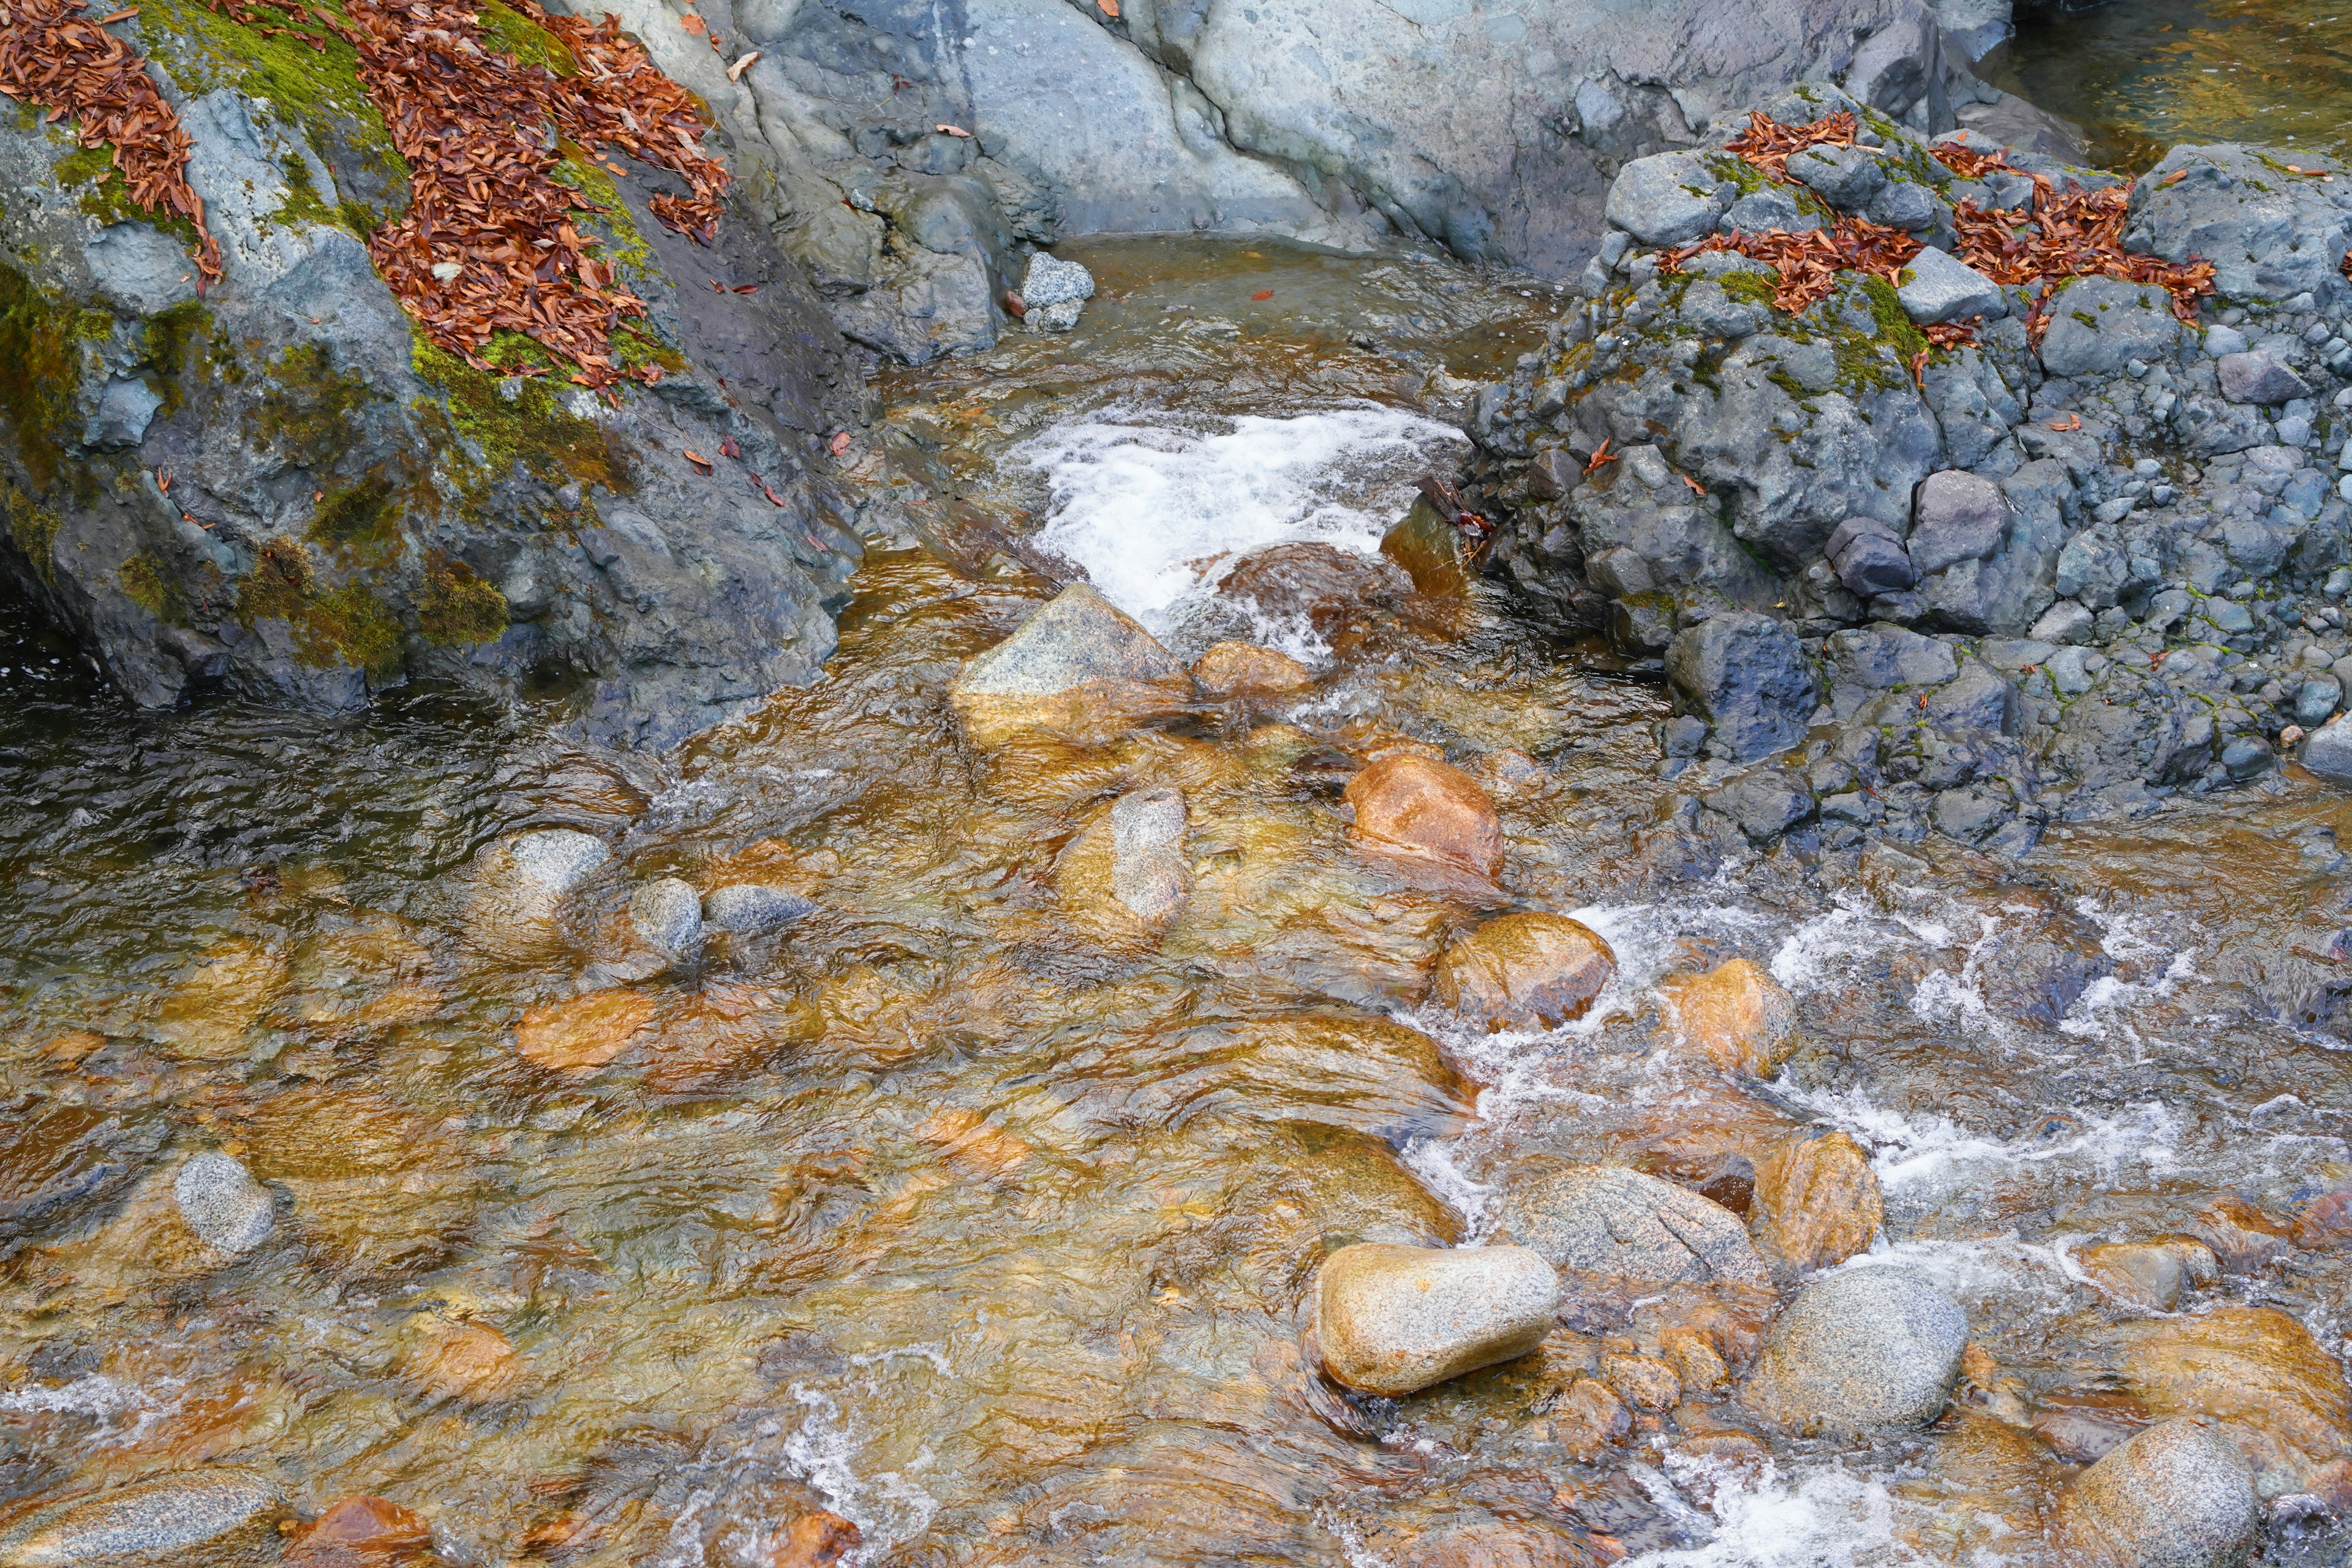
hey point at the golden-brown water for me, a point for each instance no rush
(967, 1209)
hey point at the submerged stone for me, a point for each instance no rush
(749, 908)
(146, 1521)
(1613, 1220)
(1392, 1319)
(667, 914)
(1523, 972)
(1420, 808)
(222, 1203)
(1148, 871)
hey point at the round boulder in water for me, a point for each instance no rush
(146, 1521)
(1612, 1219)
(222, 1203)
(1422, 809)
(1870, 1347)
(1523, 972)
(557, 861)
(752, 907)
(667, 913)
(2177, 1495)
(1391, 1320)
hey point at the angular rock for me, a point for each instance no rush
(1588, 1420)
(2256, 377)
(1940, 287)
(1747, 676)
(222, 1203)
(1419, 808)
(1845, 177)
(2099, 325)
(1764, 802)
(1076, 659)
(2149, 1274)
(1869, 558)
(1668, 198)
(1861, 1349)
(146, 1521)
(1149, 873)
(748, 909)
(1054, 291)
(1393, 1320)
(2327, 751)
(1645, 1383)
(361, 1532)
(1238, 668)
(2176, 1496)
(1613, 1220)
(1735, 1015)
(667, 914)
(1958, 516)
(460, 1360)
(1885, 656)
(1815, 1203)
(1523, 972)
(2269, 238)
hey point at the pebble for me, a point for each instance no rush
(1815, 1203)
(1148, 872)
(145, 1522)
(667, 914)
(557, 859)
(1588, 1420)
(222, 1203)
(1735, 1016)
(2176, 1496)
(1391, 1320)
(1868, 1347)
(1615, 1220)
(750, 907)
(1423, 809)
(1523, 972)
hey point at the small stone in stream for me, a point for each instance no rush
(556, 860)
(1613, 1220)
(1523, 972)
(2327, 751)
(2244, 1237)
(1245, 669)
(1588, 1420)
(579, 1035)
(2149, 1274)
(1430, 549)
(1735, 1015)
(813, 1539)
(361, 1532)
(1645, 1383)
(146, 1521)
(1054, 292)
(1867, 1347)
(1695, 1361)
(1078, 661)
(1148, 872)
(464, 1361)
(222, 1203)
(750, 907)
(1815, 1202)
(667, 914)
(2256, 377)
(2176, 1496)
(1391, 1320)
(1940, 287)
(1420, 808)
(1748, 677)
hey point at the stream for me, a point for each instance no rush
(952, 1211)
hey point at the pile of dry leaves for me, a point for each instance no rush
(53, 57)
(2072, 233)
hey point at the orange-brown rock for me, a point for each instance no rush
(966, 1139)
(210, 1008)
(1815, 1203)
(1415, 808)
(1247, 669)
(1642, 1382)
(715, 1039)
(815, 1540)
(2149, 1275)
(1523, 972)
(1735, 1015)
(1588, 1419)
(2242, 1236)
(582, 1033)
(361, 1533)
(466, 1361)
(1694, 1359)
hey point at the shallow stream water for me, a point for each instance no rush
(962, 1211)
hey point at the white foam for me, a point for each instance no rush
(1156, 505)
(1933, 1153)
(1826, 1517)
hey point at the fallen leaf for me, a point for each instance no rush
(747, 288)
(717, 287)
(1696, 488)
(952, 131)
(122, 15)
(1600, 454)
(2174, 178)
(1108, 8)
(1263, 294)
(839, 444)
(735, 72)
(727, 448)
(697, 458)
(691, 23)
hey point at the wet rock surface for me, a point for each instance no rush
(1525, 972)
(222, 1203)
(145, 1520)
(2176, 1494)
(1394, 1319)
(1866, 1347)
(1610, 1220)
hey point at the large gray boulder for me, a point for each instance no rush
(1669, 198)
(2270, 234)
(2099, 325)
(2178, 1494)
(1393, 1320)
(1613, 1220)
(1940, 287)
(1748, 677)
(1865, 1348)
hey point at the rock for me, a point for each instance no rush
(1957, 517)
(667, 914)
(1883, 656)
(2099, 325)
(1645, 1383)
(1420, 809)
(1668, 198)
(1588, 1420)
(1243, 668)
(817, 1539)
(1055, 290)
(2063, 622)
(60, 1162)
(2149, 1274)
(1431, 550)
(361, 1532)
(2269, 238)
(1815, 1203)
(1320, 585)
(750, 909)
(1073, 661)
(1869, 558)
(1149, 873)
(1523, 972)
(222, 1203)
(1735, 1016)
(2256, 377)
(1845, 177)
(2176, 1496)
(211, 1009)
(1764, 802)
(2327, 751)
(1392, 1319)
(553, 862)
(145, 1522)
(1745, 675)
(578, 1036)
(1862, 1348)
(1940, 287)
(460, 1360)
(1613, 1220)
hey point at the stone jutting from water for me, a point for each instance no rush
(146, 1521)
(751, 907)
(1239, 669)
(2122, 537)
(1523, 972)
(1735, 1017)
(222, 1203)
(1054, 291)
(1416, 808)
(1613, 1220)
(1394, 1319)
(2175, 1496)
(1816, 1203)
(1861, 1349)
(1078, 663)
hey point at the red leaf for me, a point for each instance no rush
(839, 444)
(1263, 294)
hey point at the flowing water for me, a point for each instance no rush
(959, 1209)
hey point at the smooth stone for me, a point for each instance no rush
(556, 860)
(748, 908)
(1735, 1015)
(1867, 1347)
(1615, 1220)
(579, 1035)
(1815, 1203)
(2149, 1274)
(1147, 871)
(1422, 808)
(667, 913)
(2327, 751)
(222, 1203)
(1077, 664)
(1391, 1320)
(1523, 972)
(1957, 516)
(146, 1520)
(2175, 1496)
(1237, 668)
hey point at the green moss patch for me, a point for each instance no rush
(309, 407)
(149, 583)
(503, 27)
(361, 522)
(456, 606)
(530, 429)
(348, 626)
(32, 528)
(41, 338)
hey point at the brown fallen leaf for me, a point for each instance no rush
(735, 72)
(1108, 8)
(727, 448)
(1263, 294)
(1600, 454)
(839, 444)
(1697, 489)
(747, 288)
(952, 131)
(697, 458)
(2072, 422)
(691, 23)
